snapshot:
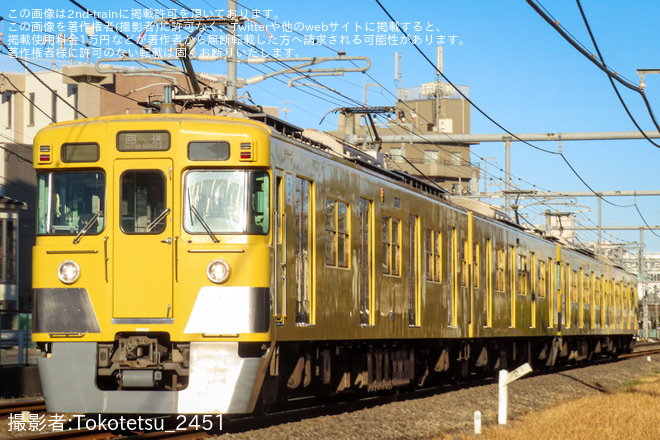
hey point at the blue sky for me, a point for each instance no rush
(519, 70)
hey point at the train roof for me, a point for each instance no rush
(366, 159)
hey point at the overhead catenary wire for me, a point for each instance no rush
(462, 159)
(405, 104)
(491, 119)
(59, 72)
(313, 92)
(611, 74)
(18, 90)
(109, 25)
(623, 103)
(341, 95)
(600, 63)
(561, 155)
(25, 66)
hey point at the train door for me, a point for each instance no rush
(488, 296)
(365, 257)
(413, 276)
(279, 257)
(142, 240)
(552, 293)
(534, 290)
(452, 275)
(304, 246)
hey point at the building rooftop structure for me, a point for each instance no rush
(431, 108)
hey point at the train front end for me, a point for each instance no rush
(152, 264)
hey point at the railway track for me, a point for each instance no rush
(241, 424)
(646, 348)
(18, 406)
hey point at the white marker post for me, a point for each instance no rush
(477, 422)
(505, 379)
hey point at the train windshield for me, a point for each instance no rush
(70, 203)
(226, 202)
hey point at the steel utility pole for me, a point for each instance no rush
(231, 56)
(507, 139)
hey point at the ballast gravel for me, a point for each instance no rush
(453, 412)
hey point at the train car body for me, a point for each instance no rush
(203, 264)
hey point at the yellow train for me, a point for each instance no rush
(206, 264)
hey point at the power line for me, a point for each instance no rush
(392, 94)
(20, 61)
(570, 166)
(611, 75)
(600, 63)
(20, 158)
(327, 96)
(59, 72)
(109, 25)
(440, 148)
(28, 99)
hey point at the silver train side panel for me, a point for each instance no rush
(220, 382)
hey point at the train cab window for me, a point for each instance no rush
(71, 202)
(226, 202)
(143, 207)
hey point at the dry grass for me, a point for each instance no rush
(630, 413)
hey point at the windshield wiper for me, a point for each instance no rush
(158, 219)
(87, 227)
(206, 227)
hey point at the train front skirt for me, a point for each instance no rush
(221, 382)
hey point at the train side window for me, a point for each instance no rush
(396, 246)
(391, 246)
(385, 247)
(542, 280)
(433, 255)
(500, 268)
(522, 274)
(574, 286)
(476, 271)
(337, 247)
(464, 263)
(587, 288)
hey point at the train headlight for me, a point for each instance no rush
(68, 272)
(218, 271)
